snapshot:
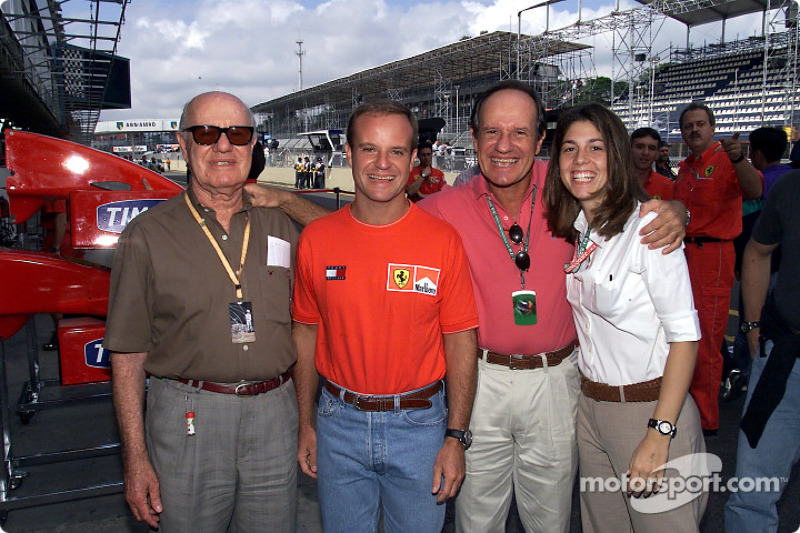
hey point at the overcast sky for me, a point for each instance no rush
(248, 47)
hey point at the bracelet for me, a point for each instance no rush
(738, 159)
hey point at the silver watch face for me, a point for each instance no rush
(467, 439)
(665, 428)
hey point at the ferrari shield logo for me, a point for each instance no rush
(709, 170)
(401, 276)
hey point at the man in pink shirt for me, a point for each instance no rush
(523, 421)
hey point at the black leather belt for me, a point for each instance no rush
(701, 240)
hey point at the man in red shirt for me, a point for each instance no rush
(645, 151)
(424, 180)
(711, 183)
(384, 321)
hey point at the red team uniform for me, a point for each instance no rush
(708, 186)
(434, 183)
(658, 187)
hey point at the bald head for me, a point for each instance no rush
(220, 154)
(212, 98)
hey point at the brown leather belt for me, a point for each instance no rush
(529, 362)
(243, 388)
(412, 400)
(646, 391)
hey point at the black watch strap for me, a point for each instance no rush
(663, 427)
(747, 326)
(464, 436)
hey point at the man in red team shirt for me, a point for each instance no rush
(711, 183)
(645, 151)
(424, 179)
(386, 435)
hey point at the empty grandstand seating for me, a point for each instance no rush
(734, 84)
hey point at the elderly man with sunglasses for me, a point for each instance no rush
(199, 300)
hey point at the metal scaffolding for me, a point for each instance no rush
(440, 83)
(57, 55)
(445, 82)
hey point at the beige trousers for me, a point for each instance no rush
(523, 424)
(608, 434)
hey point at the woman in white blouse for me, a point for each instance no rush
(638, 333)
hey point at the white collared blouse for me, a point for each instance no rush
(629, 302)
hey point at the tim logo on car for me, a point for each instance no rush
(413, 278)
(95, 355)
(114, 216)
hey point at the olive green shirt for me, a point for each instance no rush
(170, 293)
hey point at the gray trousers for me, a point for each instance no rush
(238, 473)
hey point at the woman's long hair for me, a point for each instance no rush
(623, 189)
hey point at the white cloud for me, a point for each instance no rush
(248, 47)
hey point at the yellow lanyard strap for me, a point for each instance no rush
(233, 275)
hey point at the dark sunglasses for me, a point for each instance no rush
(515, 234)
(522, 260)
(205, 134)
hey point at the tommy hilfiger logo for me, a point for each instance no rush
(335, 272)
(413, 278)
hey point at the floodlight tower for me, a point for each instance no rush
(299, 55)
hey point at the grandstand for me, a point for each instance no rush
(744, 92)
(441, 83)
(749, 82)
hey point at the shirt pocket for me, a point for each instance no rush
(276, 293)
(706, 191)
(603, 296)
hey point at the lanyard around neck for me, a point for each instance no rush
(582, 251)
(503, 232)
(233, 275)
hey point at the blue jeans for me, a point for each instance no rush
(368, 459)
(779, 448)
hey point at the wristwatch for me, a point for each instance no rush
(738, 159)
(663, 427)
(463, 436)
(747, 326)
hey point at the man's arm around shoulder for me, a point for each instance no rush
(668, 229)
(141, 483)
(461, 354)
(298, 208)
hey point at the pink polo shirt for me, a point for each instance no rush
(494, 274)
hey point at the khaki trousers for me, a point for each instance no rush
(608, 434)
(523, 425)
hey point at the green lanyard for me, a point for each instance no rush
(503, 232)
